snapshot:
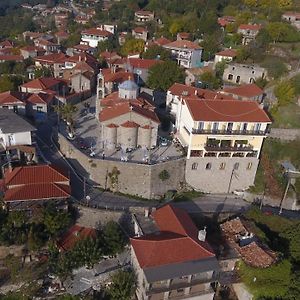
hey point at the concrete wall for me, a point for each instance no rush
(216, 180)
(285, 134)
(135, 179)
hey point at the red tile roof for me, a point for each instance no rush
(118, 76)
(140, 30)
(245, 90)
(112, 125)
(183, 44)
(52, 58)
(223, 21)
(179, 89)
(97, 32)
(33, 175)
(250, 27)
(10, 97)
(143, 63)
(125, 107)
(130, 124)
(43, 83)
(162, 41)
(41, 98)
(227, 52)
(226, 110)
(6, 44)
(292, 14)
(11, 58)
(38, 191)
(183, 35)
(176, 242)
(75, 234)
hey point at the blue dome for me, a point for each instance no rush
(128, 85)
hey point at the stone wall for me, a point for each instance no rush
(135, 179)
(201, 178)
(285, 134)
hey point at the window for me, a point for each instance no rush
(229, 127)
(222, 166)
(252, 80)
(249, 166)
(194, 166)
(257, 127)
(208, 166)
(215, 126)
(245, 126)
(236, 166)
(200, 125)
(230, 77)
(39, 108)
(238, 79)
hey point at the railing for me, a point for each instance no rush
(230, 132)
(227, 148)
(180, 285)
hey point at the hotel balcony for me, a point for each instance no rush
(244, 148)
(230, 132)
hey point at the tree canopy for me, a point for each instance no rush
(164, 74)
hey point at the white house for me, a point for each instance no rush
(95, 35)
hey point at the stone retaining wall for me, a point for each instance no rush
(135, 179)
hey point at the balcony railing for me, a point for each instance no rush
(230, 132)
(228, 148)
(180, 285)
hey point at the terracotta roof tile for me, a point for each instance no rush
(130, 124)
(245, 90)
(140, 29)
(226, 110)
(143, 63)
(43, 83)
(182, 44)
(11, 97)
(41, 98)
(227, 52)
(75, 234)
(162, 41)
(11, 58)
(173, 244)
(250, 27)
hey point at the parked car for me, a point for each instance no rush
(82, 144)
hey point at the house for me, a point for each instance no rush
(83, 47)
(32, 51)
(178, 90)
(140, 33)
(15, 101)
(225, 55)
(140, 67)
(127, 120)
(240, 73)
(173, 260)
(245, 92)
(81, 19)
(109, 56)
(49, 60)
(61, 36)
(122, 37)
(225, 20)
(31, 36)
(249, 32)
(82, 81)
(143, 16)
(48, 45)
(293, 18)
(75, 234)
(28, 187)
(192, 74)
(95, 35)
(223, 139)
(16, 137)
(6, 44)
(187, 54)
(39, 105)
(48, 84)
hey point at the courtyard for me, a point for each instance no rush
(88, 140)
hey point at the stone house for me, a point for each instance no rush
(243, 74)
(249, 32)
(143, 16)
(140, 33)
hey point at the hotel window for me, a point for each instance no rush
(257, 126)
(200, 125)
(215, 126)
(245, 126)
(208, 166)
(194, 166)
(249, 166)
(222, 166)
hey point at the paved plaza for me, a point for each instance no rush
(88, 139)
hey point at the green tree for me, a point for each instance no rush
(210, 79)
(275, 66)
(164, 175)
(163, 75)
(42, 72)
(123, 285)
(292, 234)
(156, 51)
(211, 45)
(132, 46)
(285, 92)
(113, 238)
(6, 84)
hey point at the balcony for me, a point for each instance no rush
(228, 148)
(230, 132)
(180, 285)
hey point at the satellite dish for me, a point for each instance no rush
(88, 198)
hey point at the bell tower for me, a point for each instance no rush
(100, 92)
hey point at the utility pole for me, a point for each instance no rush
(84, 187)
(285, 193)
(230, 181)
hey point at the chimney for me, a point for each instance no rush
(202, 234)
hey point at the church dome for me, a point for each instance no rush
(128, 85)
